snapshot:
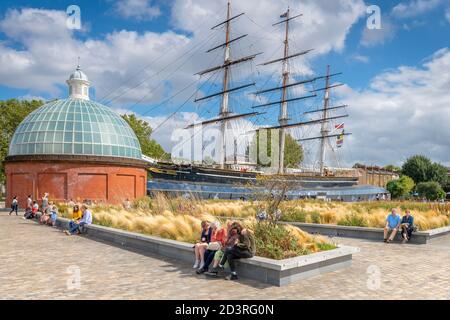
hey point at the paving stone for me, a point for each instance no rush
(35, 263)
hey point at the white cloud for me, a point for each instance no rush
(138, 9)
(374, 37)
(361, 58)
(40, 52)
(414, 8)
(447, 14)
(405, 111)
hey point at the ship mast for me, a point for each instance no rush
(224, 108)
(324, 131)
(283, 115)
(324, 120)
(224, 114)
(283, 118)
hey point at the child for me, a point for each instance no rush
(53, 216)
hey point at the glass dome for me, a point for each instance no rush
(75, 127)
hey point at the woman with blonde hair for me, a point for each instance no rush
(218, 239)
(200, 247)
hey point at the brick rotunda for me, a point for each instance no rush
(75, 149)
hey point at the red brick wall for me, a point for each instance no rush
(74, 180)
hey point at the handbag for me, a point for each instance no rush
(213, 246)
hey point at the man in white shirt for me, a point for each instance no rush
(74, 227)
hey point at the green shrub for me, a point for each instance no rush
(353, 220)
(275, 242)
(315, 217)
(293, 215)
(430, 190)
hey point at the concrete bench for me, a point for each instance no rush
(419, 237)
(273, 272)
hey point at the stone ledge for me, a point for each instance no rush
(419, 237)
(274, 272)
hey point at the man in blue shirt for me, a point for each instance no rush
(392, 224)
(74, 227)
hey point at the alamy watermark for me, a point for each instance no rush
(73, 20)
(374, 20)
(74, 280)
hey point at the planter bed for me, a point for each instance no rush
(419, 237)
(273, 272)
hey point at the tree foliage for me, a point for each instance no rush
(391, 167)
(431, 190)
(13, 111)
(400, 188)
(293, 151)
(421, 169)
(143, 132)
(417, 167)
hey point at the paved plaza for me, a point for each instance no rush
(38, 262)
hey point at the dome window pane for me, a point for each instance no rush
(41, 136)
(58, 136)
(78, 126)
(68, 137)
(58, 148)
(39, 148)
(106, 150)
(51, 125)
(78, 148)
(78, 137)
(60, 125)
(48, 148)
(97, 149)
(49, 136)
(87, 137)
(97, 137)
(87, 149)
(69, 126)
(67, 148)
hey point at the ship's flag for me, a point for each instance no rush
(284, 15)
(339, 126)
(340, 140)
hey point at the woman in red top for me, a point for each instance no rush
(218, 241)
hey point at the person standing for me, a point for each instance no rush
(14, 205)
(392, 225)
(44, 202)
(29, 203)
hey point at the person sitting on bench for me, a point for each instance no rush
(407, 225)
(392, 225)
(74, 227)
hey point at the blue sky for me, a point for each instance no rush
(118, 41)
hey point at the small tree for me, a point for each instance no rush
(417, 167)
(400, 188)
(293, 151)
(143, 132)
(438, 173)
(430, 190)
(392, 168)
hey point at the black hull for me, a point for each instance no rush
(211, 175)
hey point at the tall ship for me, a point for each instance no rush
(237, 174)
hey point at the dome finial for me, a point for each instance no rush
(78, 84)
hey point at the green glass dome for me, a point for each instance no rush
(75, 127)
